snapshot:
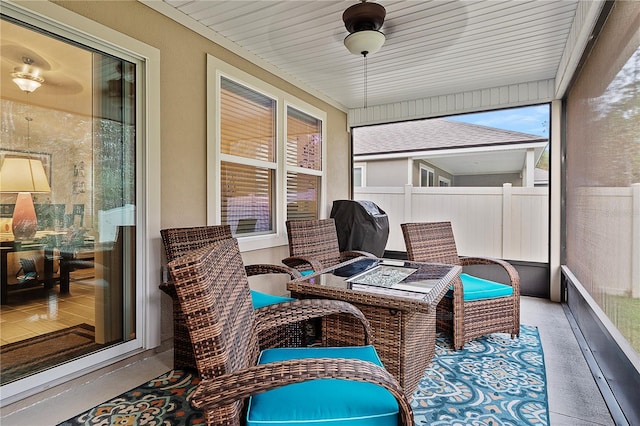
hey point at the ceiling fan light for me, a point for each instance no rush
(364, 42)
(27, 78)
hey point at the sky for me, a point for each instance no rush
(533, 119)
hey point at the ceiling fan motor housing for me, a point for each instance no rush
(364, 16)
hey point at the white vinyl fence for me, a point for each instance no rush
(512, 223)
(505, 222)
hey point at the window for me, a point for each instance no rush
(266, 156)
(426, 176)
(304, 164)
(359, 175)
(443, 181)
(248, 166)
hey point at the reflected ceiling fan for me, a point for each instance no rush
(27, 77)
(363, 21)
(31, 71)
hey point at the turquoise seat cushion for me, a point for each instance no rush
(331, 402)
(480, 289)
(260, 299)
(307, 272)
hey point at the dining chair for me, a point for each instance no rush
(313, 245)
(474, 306)
(179, 241)
(242, 385)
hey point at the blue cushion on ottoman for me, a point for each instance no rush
(259, 299)
(331, 402)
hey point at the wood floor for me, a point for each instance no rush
(36, 311)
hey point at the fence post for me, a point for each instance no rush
(635, 240)
(408, 199)
(506, 221)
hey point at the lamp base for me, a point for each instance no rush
(24, 224)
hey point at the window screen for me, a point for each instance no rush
(603, 171)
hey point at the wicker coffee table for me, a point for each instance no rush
(401, 309)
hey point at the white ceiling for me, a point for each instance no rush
(433, 47)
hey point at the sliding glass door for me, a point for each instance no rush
(68, 277)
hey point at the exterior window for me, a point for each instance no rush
(265, 157)
(442, 181)
(304, 164)
(247, 172)
(427, 176)
(359, 175)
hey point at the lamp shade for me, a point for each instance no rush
(26, 84)
(364, 42)
(19, 174)
(27, 77)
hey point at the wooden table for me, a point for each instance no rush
(69, 258)
(403, 316)
(14, 247)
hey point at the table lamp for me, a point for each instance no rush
(24, 176)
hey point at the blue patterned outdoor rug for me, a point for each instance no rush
(493, 381)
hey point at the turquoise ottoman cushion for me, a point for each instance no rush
(331, 402)
(480, 289)
(260, 299)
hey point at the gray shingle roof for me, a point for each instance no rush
(432, 134)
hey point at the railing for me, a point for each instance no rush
(504, 222)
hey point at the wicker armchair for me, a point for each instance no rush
(313, 245)
(242, 385)
(180, 241)
(475, 307)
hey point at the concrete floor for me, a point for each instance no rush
(574, 398)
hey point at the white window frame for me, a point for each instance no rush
(429, 170)
(216, 69)
(363, 174)
(74, 27)
(442, 179)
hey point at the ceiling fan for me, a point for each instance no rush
(29, 71)
(363, 21)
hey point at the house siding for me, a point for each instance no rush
(387, 173)
(488, 180)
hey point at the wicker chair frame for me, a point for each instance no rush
(180, 241)
(213, 291)
(313, 244)
(465, 321)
